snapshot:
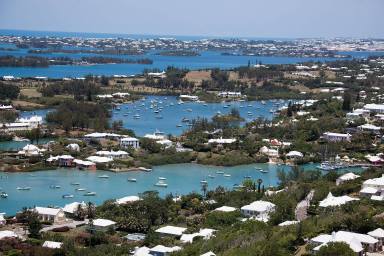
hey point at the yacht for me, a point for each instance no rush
(68, 196)
(90, 194)
(136, 116)
(179, 125)
(204, 182)
(23, 188)
(132, 180)
(220, 172)
(3, 195)
(103, 176)
(211, 176)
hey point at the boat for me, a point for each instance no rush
(185, 120)
(75, 183)
(162, 178)
(19, 139)
(23, 188)
(263, 102)
(219, 172)
(80, 189)
(159, 117)
(103, 176)
(144, 169)
(3, 195)
(263, 171)
(204, 182)
(161, 184)
(179, 125)
(90, 194)
(68, 196)
(189, 109)
(136, 116)
(227, 175)
(132, 179)
(55, 186)
(247, 177)
(211, 176)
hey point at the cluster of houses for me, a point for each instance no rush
(22, 124)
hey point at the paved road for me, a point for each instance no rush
(302, 207)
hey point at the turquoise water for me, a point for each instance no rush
(172, 115)
(181, 179)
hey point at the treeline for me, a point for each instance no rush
(73, 114)
(79, 89)
(259, 74)
(27, 61)
(8, 91)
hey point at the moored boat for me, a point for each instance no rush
(90, 194)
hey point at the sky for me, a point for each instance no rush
(235, 18)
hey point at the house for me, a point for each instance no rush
(260, 210)
(127, 199)
(129, 142)
(205, 233)
(160, 250)
(289, 223)
(7, 234)
(165, 143)
(375, 160)
(157, 135)
(53, 215)
(73, 147)
(71, 209)
(171, 231)
(85, 165)
(369, 127)
(102, 135)
(221, 141)
(225, 209)
(357, 242)
(346, 177)
(270, 152)
(372, 187)
(333, 201)
(120, 154)
(30, 150)
(210, 253)
(52, 245)
(104, 224)
(379, 235)
(231, 95)
(99, 159)
(294, 155)
(337, 137)
(65, 160)
(374, 108)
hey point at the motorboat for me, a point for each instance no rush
(75, 183)
(219, 172)
(132, 180)
(161, 184)
(103, 176)
(55, 186)
(211, 176)
(90, 194)
(80, 189)
(204, 182)
(23, 188)
(68, 196)
(3, 195)
(162, 178)
(227, 175)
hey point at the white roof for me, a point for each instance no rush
(222, 141)
(374, 106)
(141, 251)
(335, 134)
(7, 233)
(225, 209)
(129, 139)
(111, 153)
(206, 233)
(378, 233)
(210, 253)
(47, 211)
(127, 199)
(82, 162)
(369, 190)
(288, 223)
(294, 153)
(66, 157)
(369, 127)
(165, 249)
(374, 182)
(171, 230)
(30, 147)
(259, 206)
(102, 135)
(103, 222)
(52, 244)
(72, 207)
(348, 176)
(331, 200)
(99, 159)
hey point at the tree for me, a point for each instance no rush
(347, 101)
(34, 225)
(337, 248)
(259, 181)
(204, 188)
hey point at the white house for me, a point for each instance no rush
(7, 234)
(54, 215)
(103, 224)
(129, 142)
(294, 155)
(73, 147)
(205, 233)
(374, 108)
(99, 159)
(225, 209)
(346, 177)
(379, 235)
(333, 201)
(127, 199)
(372, 187)
(260, 210)
(229, 94)
(3, 221)
(113, 154)
(171, 231)
(161, 250)
(70, 209)
(357, 242)
(337, 137)
(52, 245)
(30, 150)
(221, 141)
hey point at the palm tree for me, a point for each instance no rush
(259, 181)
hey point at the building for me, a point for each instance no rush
(73, 147)
(52, 245)
(3, 221)
(374, 108)
(160, 250)
(337, 137)
(369, 127)
(104, 224)
(171, 231)
(120, 154)
(205, 233)
(373, 187)
(225, 209)
(99, 159)
(231, 95)
(65, 160)
(379, 235)
(260, 210)
(130, 142)
(30, 150)
(53, 215)
(102, 135)
(71, 209)
(294, 155)
(333, 201)
(346, 177)
(357, 242)
(85, 165)
(7, 234)
(221, 141)
(127, 199)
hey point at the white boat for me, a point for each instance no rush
(68, 196)
(132, 179)
(204, 182)
(3, 195)
(161, 184)
(103, 176)
(80, 189)
(20, 139)
(220, 172)
(227, 175)
(23, 188)
(136, 116)
(162, 178)
(179, 125)
(90, 194)
(55, 186)
(263, 171)
(211, 176)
